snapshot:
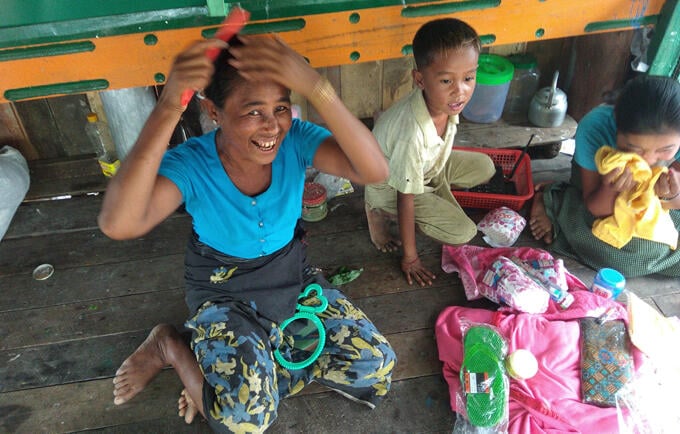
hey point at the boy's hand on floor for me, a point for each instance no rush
(414, 270)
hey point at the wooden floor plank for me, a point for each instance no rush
(66, 322)
(669, 304)
(416, 352)
(61, 363)
(418, 405)
(85, 248)
(73, 175)
(336, 249)
(425, 410)
(63, 338)
(57, 216)
(60, 339)
(89, 283)
(54, 216)
(81, 302)
(415, 406)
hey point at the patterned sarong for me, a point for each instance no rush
(233, 338)
(573, 237)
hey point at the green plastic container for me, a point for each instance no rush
(493, 81)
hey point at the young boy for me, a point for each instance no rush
(416, 135)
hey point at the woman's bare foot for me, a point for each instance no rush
(540, 224)
(187, 407)
(144, 364)
(378, 228)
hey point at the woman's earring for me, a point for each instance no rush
(214, 121)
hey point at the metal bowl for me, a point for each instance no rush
(43, 271)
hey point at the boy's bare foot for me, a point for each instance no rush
(187, 407)
(144, 364)
(540, 224)
(378, 228)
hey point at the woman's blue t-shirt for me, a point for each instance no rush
(228, 220)
(595, 130)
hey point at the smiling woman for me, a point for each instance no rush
(245, 262)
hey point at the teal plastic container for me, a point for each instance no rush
(608, 283)
(493, 81)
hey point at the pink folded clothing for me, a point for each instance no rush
(550, 401)
(472, 263)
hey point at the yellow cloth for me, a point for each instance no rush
(637, 213)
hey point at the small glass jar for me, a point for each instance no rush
(314, 207)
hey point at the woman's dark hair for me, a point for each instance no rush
(441, 35)
(649, 104)
(225, 78)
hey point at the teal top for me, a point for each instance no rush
(595, 130)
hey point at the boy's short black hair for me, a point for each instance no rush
(438, 36)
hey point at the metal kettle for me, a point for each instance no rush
(548, 106)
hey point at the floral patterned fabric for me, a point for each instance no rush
(606, 360)
(501, 227)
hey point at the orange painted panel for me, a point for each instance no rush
(326, 40)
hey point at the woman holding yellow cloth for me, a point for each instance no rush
(620, 208)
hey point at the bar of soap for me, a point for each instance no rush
(521, 364)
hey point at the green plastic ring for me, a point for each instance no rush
(313, 287)
(319, 347)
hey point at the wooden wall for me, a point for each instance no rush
(49, 130)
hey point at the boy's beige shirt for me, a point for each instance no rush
(408, 138)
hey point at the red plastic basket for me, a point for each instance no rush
(506, 159)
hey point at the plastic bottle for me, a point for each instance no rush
(96, 130)
(523, 86)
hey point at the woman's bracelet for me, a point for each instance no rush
(668, 199)
(323, 92)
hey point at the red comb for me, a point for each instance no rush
(231, 25)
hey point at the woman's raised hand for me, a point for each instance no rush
(619, 180)
(191, 69)
(270, 58)
(667, 187)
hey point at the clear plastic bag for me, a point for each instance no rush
(606, 360)
(645, 405)
(14, 183)
(335, 185)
